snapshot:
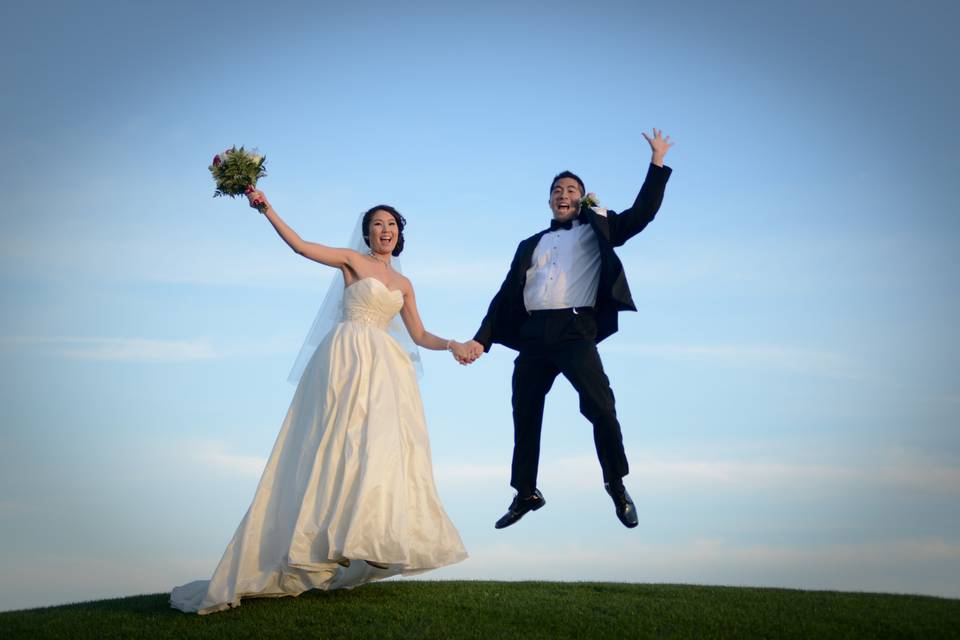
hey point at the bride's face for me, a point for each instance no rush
(383, 232)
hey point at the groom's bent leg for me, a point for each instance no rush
(533, 375)
(580, 363)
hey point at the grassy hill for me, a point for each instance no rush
(528, 610)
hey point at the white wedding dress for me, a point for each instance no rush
(349, 480)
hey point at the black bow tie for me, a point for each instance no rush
(556, 224)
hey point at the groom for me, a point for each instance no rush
(561, 297)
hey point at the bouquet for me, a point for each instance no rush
(236, 171)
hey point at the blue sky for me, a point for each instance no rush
(788, 390)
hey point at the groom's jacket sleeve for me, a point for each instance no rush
(632, 221)
(489, 329)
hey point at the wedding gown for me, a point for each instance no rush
(349, 480)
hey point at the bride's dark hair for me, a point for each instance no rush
(401, 223)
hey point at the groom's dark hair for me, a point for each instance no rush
(568, 174)
(401, 223)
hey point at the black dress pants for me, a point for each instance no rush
(554, 342)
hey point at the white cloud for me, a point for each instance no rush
(10, 507)
(450, 472)
(460, 275)
(949, 399)
(904, 566)
(214, 455)
(892, 469)
(141, 349)
(895, 566)
(150, 258)
(814, 361)
(47, 579)
(880, 471)
(202, 455)
(916, 565)
(222, 269)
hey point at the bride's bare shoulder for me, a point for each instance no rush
(403, 283)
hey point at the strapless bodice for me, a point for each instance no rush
(369, 301)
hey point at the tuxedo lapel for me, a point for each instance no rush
(526, 254)
(600, 224)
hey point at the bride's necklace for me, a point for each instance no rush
(384, 262)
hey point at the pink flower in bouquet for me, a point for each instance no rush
(220, 157)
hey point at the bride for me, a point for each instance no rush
(347, 495)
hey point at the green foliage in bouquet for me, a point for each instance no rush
(235, 170)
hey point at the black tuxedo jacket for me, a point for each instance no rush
(507, 313)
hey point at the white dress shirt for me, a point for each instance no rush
(565, 270)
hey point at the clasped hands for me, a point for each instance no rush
(466, 352)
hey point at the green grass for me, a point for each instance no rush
(526, 610)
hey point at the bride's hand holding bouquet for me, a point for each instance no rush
(257, 200)
(236, 171)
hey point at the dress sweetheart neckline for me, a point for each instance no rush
(375, 280)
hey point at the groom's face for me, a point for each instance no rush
(565, 199)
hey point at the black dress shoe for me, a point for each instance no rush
(626, 511)
(518, 508)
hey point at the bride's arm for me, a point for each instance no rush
(330, 256)
(411, 319)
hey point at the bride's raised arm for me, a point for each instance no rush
(330, 256)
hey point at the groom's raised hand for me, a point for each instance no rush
(659, 145)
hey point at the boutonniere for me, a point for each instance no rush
(590, 201)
